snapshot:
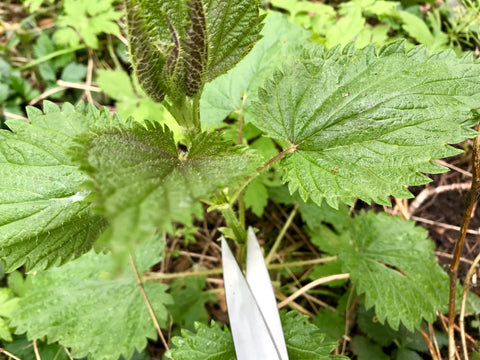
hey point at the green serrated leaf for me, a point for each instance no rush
(236, 90)
(304, 342)
(256, 197)
(87, 306)
(189, 301)
(177, 46)
(43, 220)
(167, 183)
(8, 306)
(207, 343)
(331, 323)
(382, 254)
(366, 124)
(366, 349)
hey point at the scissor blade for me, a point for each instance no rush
(259, 281)
(250, 333)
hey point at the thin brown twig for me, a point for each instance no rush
(453, 167)
(148, 276)
(35, 350)
(450, 256)
(443, 225)
(470, 206)
(444, 320)
(3, 351)
(68, 353)
(79, 86)
(149, 307)
(461, 321)
(45, 95)
(429, 191)
(13, 116)
(434, 338)
(427, 340)
(293, 304)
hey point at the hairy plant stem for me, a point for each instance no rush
(152, 276)
(470, 205)
(261, 169)
(187, 115)
(240, 235)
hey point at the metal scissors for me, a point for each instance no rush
(252, 308)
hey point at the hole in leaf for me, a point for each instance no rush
(392, 267)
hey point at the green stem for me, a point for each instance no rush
(261, 169)
(162, 276)
(233, 223)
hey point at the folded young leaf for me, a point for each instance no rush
(367, 124)
(87, 306)
(304, 342)
(143, 182)
(43, 220)
(391, 261)
(178, 45)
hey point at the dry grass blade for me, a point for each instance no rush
(149, 307)
(312, 285)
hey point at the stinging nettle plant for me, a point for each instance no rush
(352, 124)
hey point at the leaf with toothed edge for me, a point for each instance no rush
(178, 45)
(43, 218)
(304, 341)
(90, 307)
(143, 182)
(367, 124)
(391, 262)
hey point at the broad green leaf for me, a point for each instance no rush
(144, 182)
(256, 197)
(43, 220)
(177, 45)
(304, 342)
(8, 305)
(330, 322)
(236, 90)
(382, 254)
(207, 343)
(87, 306)
(367, 124)
(189, 300)
(23, 349)
(365, 349)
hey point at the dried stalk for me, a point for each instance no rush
(461, 320)
(470, 206)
